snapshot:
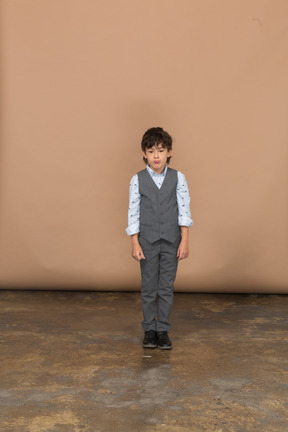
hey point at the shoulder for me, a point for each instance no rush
(182, 182)
(180, 175)
(142, 171)
(134, 180)
(173, 174)
(171, 170)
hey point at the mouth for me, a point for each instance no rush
(156, 162)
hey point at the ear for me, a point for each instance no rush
(144, 154)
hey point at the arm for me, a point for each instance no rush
(137, 252)
(134, 207)
(183, 249)
(184, 216)
(133, 218)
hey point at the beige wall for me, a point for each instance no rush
(81, 82)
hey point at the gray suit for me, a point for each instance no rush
(159, 239)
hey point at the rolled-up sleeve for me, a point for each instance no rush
(134, 207)
(183, 201)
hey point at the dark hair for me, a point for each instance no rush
(156, 136)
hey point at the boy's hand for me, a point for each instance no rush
(137, 252)
(183, 250)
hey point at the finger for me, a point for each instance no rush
(141, 254)
(137, 256)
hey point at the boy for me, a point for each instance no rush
(158, 222)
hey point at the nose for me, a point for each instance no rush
(156, 154)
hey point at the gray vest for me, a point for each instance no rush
(158, 207)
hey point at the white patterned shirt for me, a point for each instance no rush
(183, 200)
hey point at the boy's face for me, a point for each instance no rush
(157, 157)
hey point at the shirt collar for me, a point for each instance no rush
(152, 173)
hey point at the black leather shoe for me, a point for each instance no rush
(164, 341)
(150, 339)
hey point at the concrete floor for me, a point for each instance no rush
(73, 361)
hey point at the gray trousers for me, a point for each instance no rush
(158, 272)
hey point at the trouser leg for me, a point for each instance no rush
(149, 283)
(167, 273)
